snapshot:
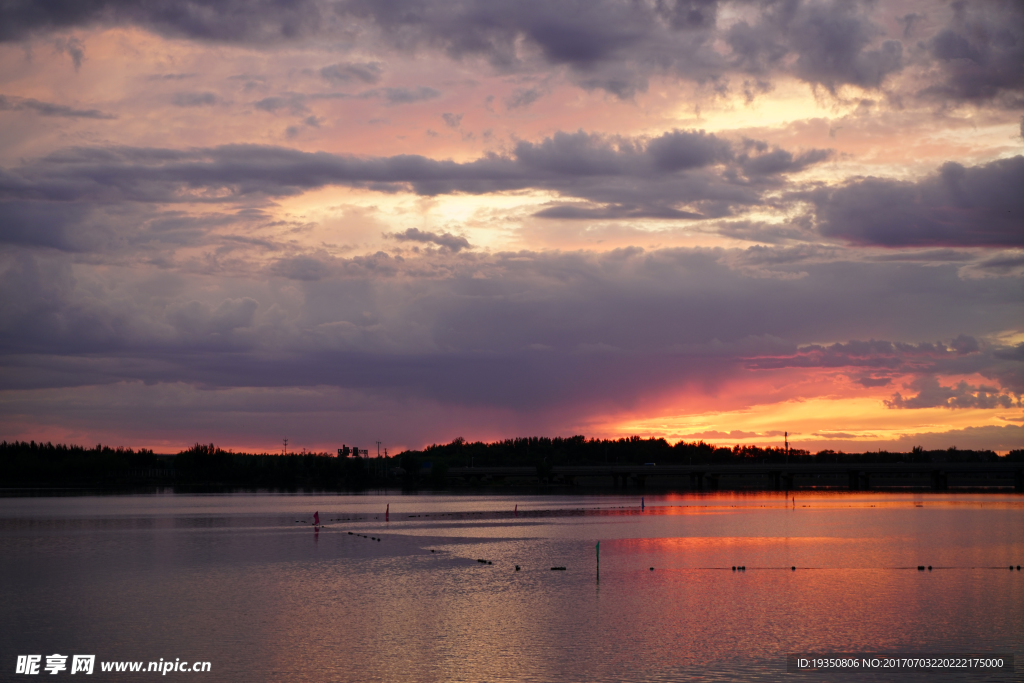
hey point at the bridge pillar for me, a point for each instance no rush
(940, 481)
(697, 480)
(641, 480)
(787, 480)
(711, 481)
(1018, 481)
(776, 480)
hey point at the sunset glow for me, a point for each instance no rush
(349, 222)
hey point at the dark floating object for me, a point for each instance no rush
(652, 569)
(431, 550)
(558, 569)
(1018, 567)
(743, 568)
(734, 568)
(929, 567)
(489, 562)
(920, 567)
(792, 569)
(517, 567)
(350, 533)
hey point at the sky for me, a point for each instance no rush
(404, 221)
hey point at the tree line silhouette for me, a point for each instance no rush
(31, 464)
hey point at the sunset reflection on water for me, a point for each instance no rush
(244, 582)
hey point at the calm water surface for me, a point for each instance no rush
(244, 582)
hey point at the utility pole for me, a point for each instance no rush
(286, 446)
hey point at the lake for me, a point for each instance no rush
(244, 582)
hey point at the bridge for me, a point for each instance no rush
(777, 476)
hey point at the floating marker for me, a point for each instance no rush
(558, 569)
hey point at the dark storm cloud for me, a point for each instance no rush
(233, 21)
(758, 160)
(931, 394)
(881, 361)
(877, 355)
(11, 103)
(981, 53)
(452, 120)
(1006, 263)
(958, 206)
(447, 240)
(367, 72)
(613, 45)
(606, 44)
(616, 45)
(307, 268)
(523, 97)
(468, 328)
(682, 174)
(829, 44)
(57, 225)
